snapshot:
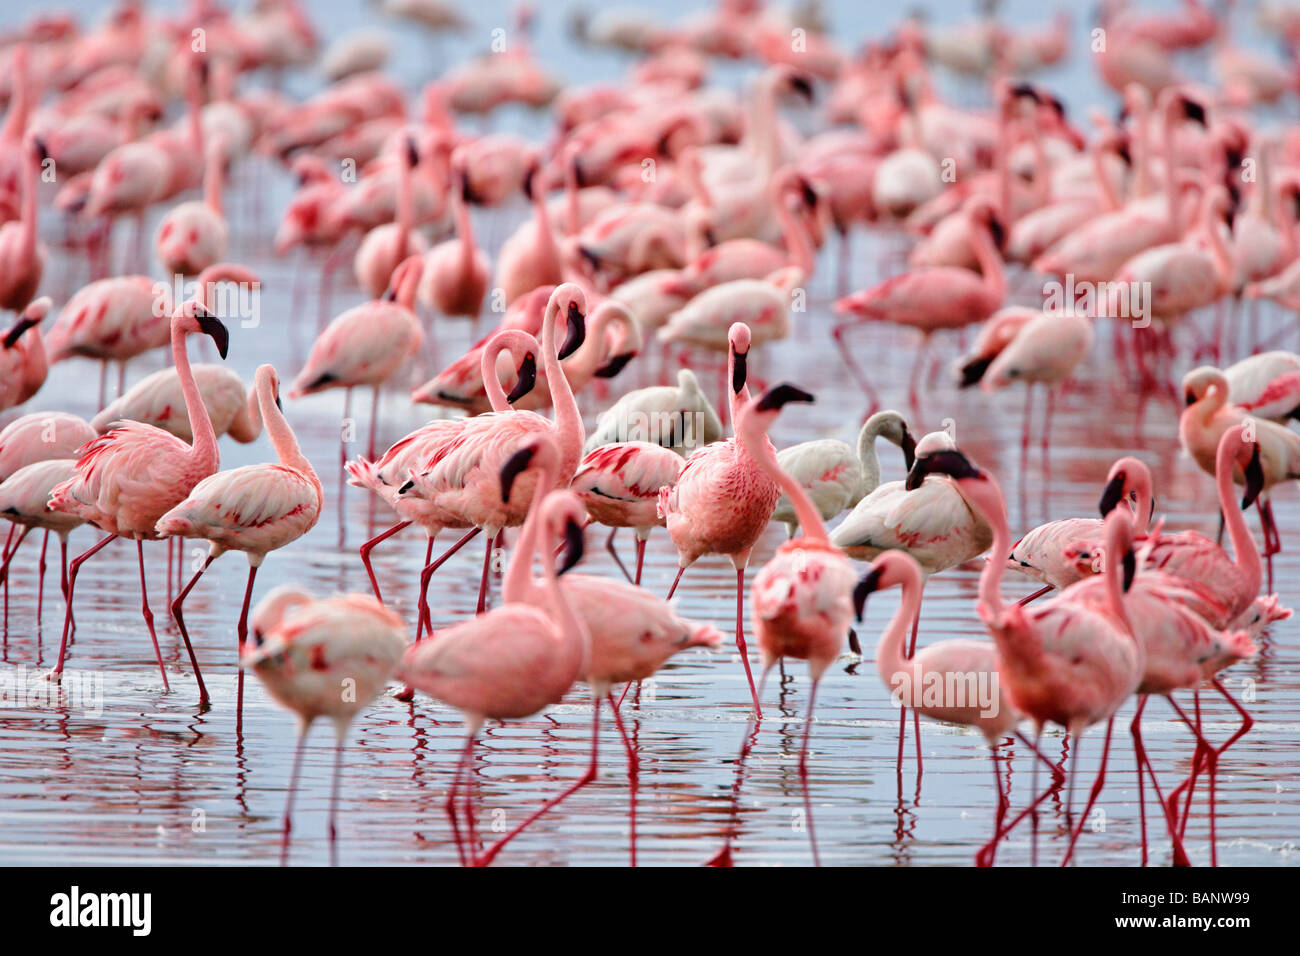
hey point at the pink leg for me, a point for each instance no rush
(293, 789)
(1028, 598)
(902, 711)
(450, 804)
(40, 584)
(343, 457)
(241, 633)
(334, 803)
(740, 639)
(633, 767)
(148, 615)
(370, 546)
(178, 616)
(640, 559)
(492, 543)
(985, 855)
(803, 774)
(491, 852)
(673, 590)
(1092, 797)
(425, 617)
(855, 370)
(609, 546)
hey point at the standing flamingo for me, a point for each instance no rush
(23, 363)
(722, 502)
(23, 497)
(127, 479)
(1071, 660)
(930, 298)
(195, 234)
(255, 509)
(322, 658)
(517, 659)
(455, 277)
(22, 257)
(386, 247)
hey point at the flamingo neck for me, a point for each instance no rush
(404, 215)
(205, 453)
(797, 243)
(985, 499)
(547, 248)
(568, 420)
(464, 230)
(1171, 183)
(867, 455)
(20, 108)
(752, 438)
(499, 343)
(990, 265)
(1104, 185)
(282, 437)
(890, 657)
(1245, 551)
(518, 586)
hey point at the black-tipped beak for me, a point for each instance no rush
(513, 466)
(867, 585)
(573, 546)
(739, 371)
(412, 154)
(528, 183)
(527, 378)
(1026, 91)
(406, 487)
(854, 644)
(1254, 478)
(19, 329)
(779, 396)
(1130, 568)
(803, 86)
(467, 192)
(577, 331)
(1193, 111)
(42, 150)
(278, 404)
(973, 371)
(809, 194)
(1112, 494)
(214, 327)
(908, 444)
(949, 462)
(615, 365)
(998, 231)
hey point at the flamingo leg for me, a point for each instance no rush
(425, 617)
(640, 559)
(633, 767)
(1096, 791)
(335, 779)
(609, 546)
(902, 710)
(343, 458)
(179, 617)
(1029, 598)
(1140, 754)
(673, 590)
(293, 790)
(40, 580)
(859, 376)
(450, 804)
(999, 816)
(370, 546)
(241, 632)
(9, 557)
(740, 639)
(148, 615)
(491, 852)
(492, 542)
(985, 855)
(752, 727)
(803, 774)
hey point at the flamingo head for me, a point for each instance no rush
(565, 516)
(945, 461)
(525, 379)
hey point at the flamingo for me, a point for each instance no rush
(23, 362)
(929, 299)
(619, 485)
(255, 509)
(762, 304)
(1072, 660)
(515, 660)
(679, 417)
(722, 501)
(303, 650)
(157, 400)
(386, 247)
(456, 273)
(41, 436)
(23, 497)
(836, 476)
(1267, 385)
(530, 257)
(460, 478)
(22, 257)
(127, 479)
(802, 598)
(195, 234)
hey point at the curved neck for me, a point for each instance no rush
(20, 105)
(1214, 236)
(568, 420)
(990, 264)
(867, 455)
(518, 585)
(205, 439)
(547, 248)
(404, 215)
(556, 602)
(464, 224)
(890, 656)
(507, 339)
(1003, 160)
(1245, 551)
(282, 438)
(985, 499)
(797, 243)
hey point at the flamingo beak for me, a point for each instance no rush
(868, 584)
(908, 444)
(615, 365)
(1130, 568)
(949, 462)
(527, 378)
(739, 370)
(577, 331)
(1254, 478)
(1112, 494)
(973, 371)
(19, 328)
(515, 464)
(573, 546)
(212, 326)
(777, 397)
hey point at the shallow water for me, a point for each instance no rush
(148, 777)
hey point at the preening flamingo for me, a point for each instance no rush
(128, 478)
(679, 417)
(308, 652)
(255, 509)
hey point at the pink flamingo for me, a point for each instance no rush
(22, 501)
(680, 417)
(255, 509)
(762, 304)
(22, 257)
(1201, 426)
(386, 475)
(1071, 660)
(802, 598)
(531, 256)
(41, 436)
(130, 477)
(364, 347)
(157, 400)
(929, 299)
(302, 649)
(722, 502)
(907, 675)
(195, 234)
(1267, 385)
(619, 485)
(455, 277)
(461, 476)
(515, 660)
(23, 364)
(386, 247)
